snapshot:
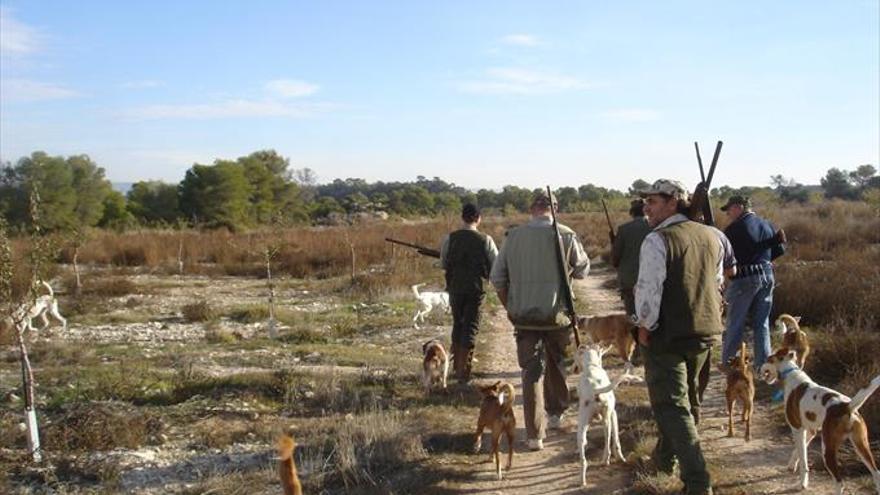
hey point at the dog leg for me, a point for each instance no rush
(615, 431)
(478, 438)
(509, 433)
(748, 404)
(801, 441)
(606, 452)
(830, 444)
(859, 439)
(445, 371)
(583, 427)
(496, 447)
(729, 416)
(57, 315)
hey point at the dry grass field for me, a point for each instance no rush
(169, 383)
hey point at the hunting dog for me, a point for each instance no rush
(740, 387)
(287, 468)
(793, 338)
(596, 401)
(614, 329)
(435, 365)
(496, 413)
(44, 305)
(427, 301)
(810, 408)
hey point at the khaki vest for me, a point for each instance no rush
(690, 311)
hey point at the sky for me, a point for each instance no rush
(481, 94)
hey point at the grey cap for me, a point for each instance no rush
(743, 201)
(540, 198)
(667, 187)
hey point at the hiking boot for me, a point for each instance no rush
(555, 421)
(535, 444)
(466, 365)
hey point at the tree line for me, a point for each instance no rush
(261, 189)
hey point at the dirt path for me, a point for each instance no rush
(738, 467)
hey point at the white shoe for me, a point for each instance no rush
(555, 422)
(535, 444)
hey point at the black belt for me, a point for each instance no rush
(743, 271)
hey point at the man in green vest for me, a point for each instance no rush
(526, 276)
(467, 256)
(678, 306)
(625, 253)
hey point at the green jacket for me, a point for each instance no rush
(526, 267)
(625, 251)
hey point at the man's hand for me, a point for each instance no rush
(644, 336)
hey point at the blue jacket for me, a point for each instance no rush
(754, 240)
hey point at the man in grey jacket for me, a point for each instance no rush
(527, 279)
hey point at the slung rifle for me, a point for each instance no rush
(561, 263)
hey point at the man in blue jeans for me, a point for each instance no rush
(750, 292)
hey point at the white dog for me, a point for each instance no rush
(43, 306)
(811, 408)
(596, 401)
(427, 301)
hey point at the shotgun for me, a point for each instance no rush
(611, 234)
(567, 295)
(425, 251)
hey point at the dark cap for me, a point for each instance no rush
(743, 201)
(541, 199)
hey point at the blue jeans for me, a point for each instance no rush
(750, 296)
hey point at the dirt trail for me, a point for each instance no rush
(756, 467)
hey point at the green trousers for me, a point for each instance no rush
(671, 379)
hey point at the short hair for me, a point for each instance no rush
(470, 213)
(637, 208)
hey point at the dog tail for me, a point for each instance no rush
(48, 287)
(862, 395)
(742, 355)
(789, 323)
(287, 468)
(415, 289)
(508, 394)
(615, 382)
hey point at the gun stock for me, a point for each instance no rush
(567, 295)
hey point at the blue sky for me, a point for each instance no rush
(479, 93)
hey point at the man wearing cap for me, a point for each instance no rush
(750, 292)
(625, 253)
(526, 276)
(678, 306)
(467, 256)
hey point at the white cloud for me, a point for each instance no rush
(520, 40)
(21, 90)
(16, 38)
(630, 115)
(142, 84)
(291, 88)
(226, 109)
(511, 80)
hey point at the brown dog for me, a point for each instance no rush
(614, 329)
(740, 387)
(496, 413)
(435, 365)
(287, 468)
(793, 338)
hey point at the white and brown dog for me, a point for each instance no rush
(435, 365)
(43, 306)
(427, 301)
(614, 329)
(793, 338)
(810, 408)
(596, 401)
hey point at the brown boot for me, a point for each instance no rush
(467, 364)
(457, 360)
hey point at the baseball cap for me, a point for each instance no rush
(541, 198)
(667, 187)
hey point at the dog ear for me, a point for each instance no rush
(797, 319)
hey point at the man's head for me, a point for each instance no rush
(541, 204)
(736, 206)
(663, 199)
(637, 208)
(470, 214)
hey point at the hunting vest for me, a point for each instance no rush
(690, 310)
(467, 263)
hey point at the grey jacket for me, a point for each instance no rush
(526, 267)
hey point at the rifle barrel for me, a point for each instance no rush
(700, 161)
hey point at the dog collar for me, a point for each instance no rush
(786, 372)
